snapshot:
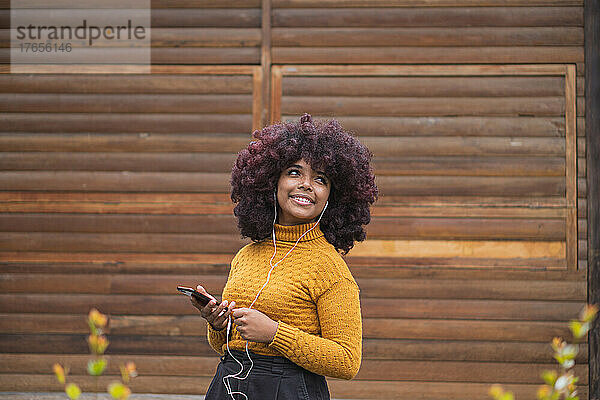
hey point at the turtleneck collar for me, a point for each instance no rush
(291, 233)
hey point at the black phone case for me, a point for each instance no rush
(202, 299)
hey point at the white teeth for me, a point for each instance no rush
(301, 200)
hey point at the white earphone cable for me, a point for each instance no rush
(236, 375)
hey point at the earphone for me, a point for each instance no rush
(236, 376)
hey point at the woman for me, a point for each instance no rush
(291, 312)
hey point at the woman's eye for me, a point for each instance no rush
(322, 180)
(293, 172)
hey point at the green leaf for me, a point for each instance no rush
(579, 329)
(73, 391)
(119, 391)
(559, 358)
(59, 371)
(588, 314)
(93, 329)
(96, 367)
(543, 392)
(549, 377)
(496, 391)
(507, 396)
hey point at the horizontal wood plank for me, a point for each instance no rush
(522, 126)
(186, 37)
(118, 206)
(461, 249)
(126, 103)
(222, 162)
(217, 17)
(464, 146)
(431, 86)
(423, 16)
(194, 325)
(201, 224)
(466, 228)
(474, 166)
(379, 228)
(219, 183)
(117, 124)
(124, 344)
(192, 17)
(218, 264)
(426, 55)
(166, 162)
(111, 283)
(157, 198)
(130, 83)
(126, 242)
(383, 369)
(377, 349)
(172, 55)
(423, 70)
(205, 55)
(110, 181)
(423, 37)
(383, 147)
(153, 3)
(372, 307)
(472, 186)
(417, 106)
(420, 3)
(376, 265)
(215, 143)
(191, 331)
(169, 37)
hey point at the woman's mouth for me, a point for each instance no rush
(301, 200)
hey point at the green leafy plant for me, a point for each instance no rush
(560, 384)
(98, 343)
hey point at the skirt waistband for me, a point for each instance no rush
(275, 364)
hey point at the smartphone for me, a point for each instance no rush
(202, 299)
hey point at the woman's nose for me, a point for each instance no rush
(305, 183)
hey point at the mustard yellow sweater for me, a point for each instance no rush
(312, 295)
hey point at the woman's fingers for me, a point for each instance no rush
(203, 291)
(215, 315)
(221, 320)
(201, 307)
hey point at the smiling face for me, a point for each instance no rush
(301, 194)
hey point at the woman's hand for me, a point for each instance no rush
(254, 325)
(216, 316)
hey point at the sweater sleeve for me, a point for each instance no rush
(337, 352)
(216, 339)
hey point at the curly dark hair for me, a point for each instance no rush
(323, 145)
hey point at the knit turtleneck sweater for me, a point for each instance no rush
(311, 294)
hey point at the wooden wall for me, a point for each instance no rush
(114, 188)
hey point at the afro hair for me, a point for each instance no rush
(323, 145)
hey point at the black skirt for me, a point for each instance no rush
(271, 378)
